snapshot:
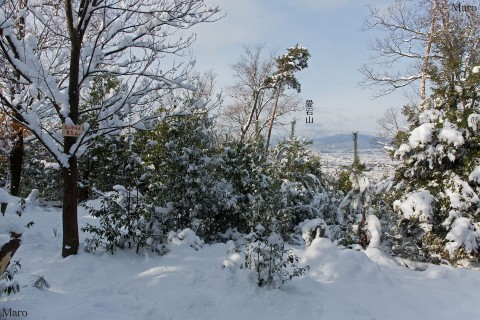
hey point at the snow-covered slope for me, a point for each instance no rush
(190, 284)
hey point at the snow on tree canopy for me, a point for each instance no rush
(463, 234)
(417, 205)
(475, 175)
(421, 135)
(450, 134)
(461, 195)
(429, 115)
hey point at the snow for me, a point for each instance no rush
(461, 195)
(11, 223)
(463, 233)
(4, 196)
(374, 228)
(208, 283)
(417, 205)
(4, 238)
(421, 135)
(475, 175)
(451, 135)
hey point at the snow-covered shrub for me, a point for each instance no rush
(354, 209)
(8, 285)
(247, 171)
(44, 175)
(186, 237)
(185, 176)
(114, 160)
(314, 228)
(273, 263)
(299, 191)
(437, 201)
(124, 221)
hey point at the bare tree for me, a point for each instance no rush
(202, 99)
(69, 43)
(254, 96)
(422, 38)
(391, 123)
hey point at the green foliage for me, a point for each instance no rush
(44, 174)
(296, 59)
(186, 178)
(272, 262)
(124, 222)
(297, 176)
(8, 285)
(113, 161)
(438, 157)
(247, 171)
(356, 204)
(343, 181)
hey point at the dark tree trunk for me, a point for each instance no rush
(83, 189)
(69, 213)
(16, 161)
(70, 174)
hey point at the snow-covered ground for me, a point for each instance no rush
(190, 284)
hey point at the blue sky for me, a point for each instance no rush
(330, 29)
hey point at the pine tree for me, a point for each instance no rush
(439, 202)
(356, 205)
(296, 59)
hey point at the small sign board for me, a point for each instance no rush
(72, 130)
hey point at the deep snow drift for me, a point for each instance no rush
(190, 284)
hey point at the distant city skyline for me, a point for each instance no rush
(330, 30)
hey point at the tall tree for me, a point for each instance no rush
(295, 59)
(13, 133)
(66, 45)
(412, 49)
(253, 96)
(438, 176)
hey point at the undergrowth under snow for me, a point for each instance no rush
(193, 283)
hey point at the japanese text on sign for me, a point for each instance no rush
(72, 130)
(309, 109)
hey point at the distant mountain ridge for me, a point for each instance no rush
(344, 142)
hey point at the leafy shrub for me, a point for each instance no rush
(124, 221)
(8, 285)
(273, 263)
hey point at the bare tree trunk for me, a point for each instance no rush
(271, 121)
(250, 118)
(427, 51)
